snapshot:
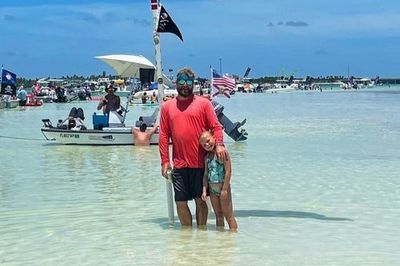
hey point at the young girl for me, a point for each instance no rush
(217, 177)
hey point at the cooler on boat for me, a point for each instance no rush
(100, 121)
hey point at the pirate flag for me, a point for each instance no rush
(166, 24)
(8, 82)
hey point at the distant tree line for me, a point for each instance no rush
(74, 78)
(267, 79)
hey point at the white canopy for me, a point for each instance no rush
(127, 66)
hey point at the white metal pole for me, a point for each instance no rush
(211, 83)
(157, 48)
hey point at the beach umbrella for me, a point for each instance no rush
(127, 66)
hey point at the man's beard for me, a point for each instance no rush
(185, 91)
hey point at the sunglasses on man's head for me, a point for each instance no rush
(187, 81)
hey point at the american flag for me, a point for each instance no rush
(222, 84)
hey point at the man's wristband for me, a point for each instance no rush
(220, 144)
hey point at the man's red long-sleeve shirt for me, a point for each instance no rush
(183, 121)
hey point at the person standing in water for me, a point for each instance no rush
(142, 136)
(182, 121)
(217, 178)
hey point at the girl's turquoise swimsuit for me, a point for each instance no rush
(216, 173)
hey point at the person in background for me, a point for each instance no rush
(217, 178)
(110, 102)
(22, 96)
(144, 97)
(182, 121)
(153, 98)
(142, 136)
(88, 93)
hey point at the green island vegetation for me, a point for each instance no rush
(28, 82)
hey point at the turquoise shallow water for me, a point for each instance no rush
(316, 183)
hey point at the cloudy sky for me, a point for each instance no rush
(273, 37)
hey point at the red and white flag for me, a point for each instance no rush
(221, 84)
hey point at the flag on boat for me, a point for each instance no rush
(221, 84)
(166, 24)
(246, 74)
(8, 82)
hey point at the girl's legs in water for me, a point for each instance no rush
(227, 210)
(215, 202)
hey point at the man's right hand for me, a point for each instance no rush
(164, 169)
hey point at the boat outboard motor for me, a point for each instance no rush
(230, 128)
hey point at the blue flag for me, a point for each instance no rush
(8, 82)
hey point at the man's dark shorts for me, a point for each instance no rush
(188, 183)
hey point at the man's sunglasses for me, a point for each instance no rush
(187, 81)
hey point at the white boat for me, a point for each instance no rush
(167, 92)
(7, 102)
(107, 136)
(107, 130)
(111, 130)
(2, 102)
(284, 85)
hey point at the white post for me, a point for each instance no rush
(211, 83)
(157, 48)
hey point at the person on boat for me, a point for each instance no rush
(81, 93)
(88, 93)
(60, 95)
(144, 97)
(22, 96)
(153, 98)
(216, 181)
(142, 136)
(75, 119)
(110, 102)
(182, 120)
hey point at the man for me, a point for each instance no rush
(144, 97)
(110, 102)
(141, 137)
(153, 98)
(22, 96)
(182, 120)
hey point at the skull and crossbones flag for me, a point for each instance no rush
(8, 82)
(166, 24)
